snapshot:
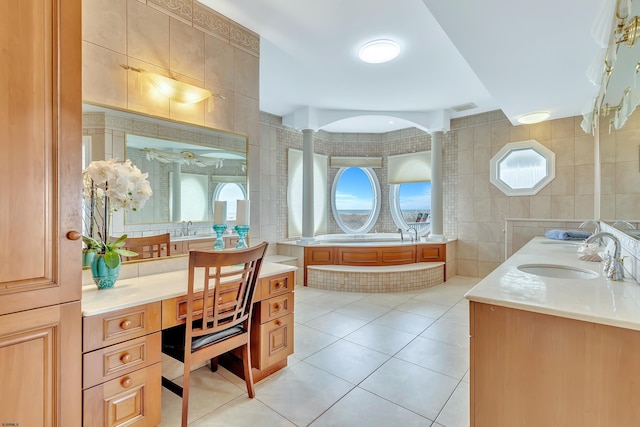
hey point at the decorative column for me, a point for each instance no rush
(307, 185)
(437, 208)
(176, 188)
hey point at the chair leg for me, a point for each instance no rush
(213, 364)
(185, 395)
(248, 373)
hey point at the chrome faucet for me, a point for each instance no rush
(623, 225)
(401, 234)
(613, 269)
(597, 230)
(415, 231)
(189, 223)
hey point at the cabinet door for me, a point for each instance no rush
(41, 361)
(40, 134)
(40, 256)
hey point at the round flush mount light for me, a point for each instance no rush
(531, 118)
(379, 51)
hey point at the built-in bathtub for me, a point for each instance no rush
(356, 238)
(373, 262)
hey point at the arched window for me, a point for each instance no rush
(230, 192)
(410, 205)
(355, 199)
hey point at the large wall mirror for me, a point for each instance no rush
(189, 168)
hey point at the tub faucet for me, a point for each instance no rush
(415, 231)
(401, 234)
(620, 225)
(614, 270)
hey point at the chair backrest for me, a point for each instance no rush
(149, 247)
(227, 280)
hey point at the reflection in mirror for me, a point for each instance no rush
(189, 168)
(632, 228)
(186, 178)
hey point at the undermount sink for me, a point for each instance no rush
(558, 271)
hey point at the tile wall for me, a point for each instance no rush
(189, 42)
(475, 210)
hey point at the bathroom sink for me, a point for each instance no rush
(558, 271)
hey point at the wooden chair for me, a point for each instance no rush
(148, 247)
(228, 280)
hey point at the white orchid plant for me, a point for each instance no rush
(109, 186)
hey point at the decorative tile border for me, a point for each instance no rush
(211, 22)
(244, 39)
(179, 9)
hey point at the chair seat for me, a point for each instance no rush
(173, 340)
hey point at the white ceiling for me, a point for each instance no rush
(517, 56)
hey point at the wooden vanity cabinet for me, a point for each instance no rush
(121, 367)
(40, 221)
(532, 369)
(271, 328)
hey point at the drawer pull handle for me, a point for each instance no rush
(126, 358)
(126, 324)
(126, 382)
(278, 323)
(276, 307)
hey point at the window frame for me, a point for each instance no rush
(396, 212)
(494, 168)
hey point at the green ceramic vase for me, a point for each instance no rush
(103, 276)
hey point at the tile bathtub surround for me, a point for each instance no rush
(360, 360)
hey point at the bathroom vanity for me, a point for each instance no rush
(549, 351)
(121, 330)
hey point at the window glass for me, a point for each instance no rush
(356, 199)
(522, 168)
(230, 192)
(410, 205)
(194, 189)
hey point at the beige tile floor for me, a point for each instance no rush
(394, 359)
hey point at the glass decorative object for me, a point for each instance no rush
(218, 245)
(242, 231)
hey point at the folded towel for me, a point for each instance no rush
(567, 234)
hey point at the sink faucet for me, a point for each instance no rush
(189, 223)
(623, 225)
(614, 270)
(597, 226)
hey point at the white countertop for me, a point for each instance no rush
(146, 289)
(595, 300)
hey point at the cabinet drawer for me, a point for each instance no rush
(276, 285)
(275, 307)
(276, 341)
(114, 327)
(132, 400)
(119, 359)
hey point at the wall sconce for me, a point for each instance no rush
(618, 67)
(173, 89)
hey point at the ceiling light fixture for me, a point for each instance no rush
(173, 89)
(531, 118)
(379, 51)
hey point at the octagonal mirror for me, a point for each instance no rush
(522, 168)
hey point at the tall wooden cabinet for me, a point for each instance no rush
(40, 148)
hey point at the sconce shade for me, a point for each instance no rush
(178, 91)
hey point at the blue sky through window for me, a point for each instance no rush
(354, 191)
(415, 196)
